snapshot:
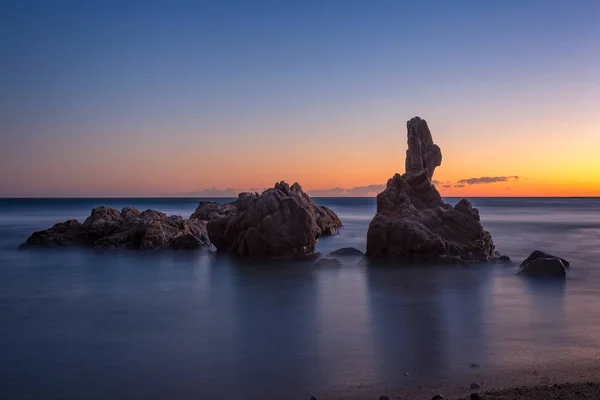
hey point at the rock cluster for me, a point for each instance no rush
(414, 224)
(108, 228)
(282, 222)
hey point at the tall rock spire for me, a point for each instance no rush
(422, 153)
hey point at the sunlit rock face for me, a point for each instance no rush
(281, 223)
(109, 228)
(413, 224)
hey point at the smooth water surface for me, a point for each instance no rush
(86, 324)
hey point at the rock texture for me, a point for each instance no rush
(422, 153)
(413, 224)
(282, 222)
(108, 228)
(208, 210)
(543, 265)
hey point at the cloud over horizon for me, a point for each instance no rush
(487, 179)
(357, 191)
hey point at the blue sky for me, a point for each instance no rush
(158, 98)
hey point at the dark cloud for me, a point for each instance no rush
(447, 186)
(460, 185)
(487, 179)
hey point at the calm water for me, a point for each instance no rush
(82, 324)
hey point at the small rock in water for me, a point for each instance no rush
(475, 396)
(328, 263)
(312, 398)
(347, 252)
(504, 259)
(384, 398)
(474, 386)
(406, 374)
(437, 397)
(475, 365)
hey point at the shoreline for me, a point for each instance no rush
(577, 380)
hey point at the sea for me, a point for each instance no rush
(85, 324)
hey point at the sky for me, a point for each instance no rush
(170, 98)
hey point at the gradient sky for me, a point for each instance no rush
(169, 98)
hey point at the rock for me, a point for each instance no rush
(541, 254)
(474, 396)
(107, 228)
(281, 223)
(327, 220)
(544, 268)
(209, 210)
(63, 234)
(413, 224)
(312, 398)
(422, 153)
(384, 398)
(504, 259)
(437, 397)
(474, 386)
(328, 263)
(347, 252)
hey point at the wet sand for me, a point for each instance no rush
(559, 381)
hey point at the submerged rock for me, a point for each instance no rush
(413, 224)
(545, 267)
(282, 222)
(347, 252)
(108, 228)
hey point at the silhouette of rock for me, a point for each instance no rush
(347, 252)
(282, 222)
(107, 228)
(541, 254)
(544, 267)
(413, 224)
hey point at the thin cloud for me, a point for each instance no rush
(354, 191)
(365, 189)
(336, 191)
(460, 185)
(447, 186)
(214, 192)
(435, 182)
(487, 179)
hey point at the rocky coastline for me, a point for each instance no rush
(413, 225)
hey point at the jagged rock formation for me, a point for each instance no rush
(413, 224)
(282, 222)
(108, 228)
